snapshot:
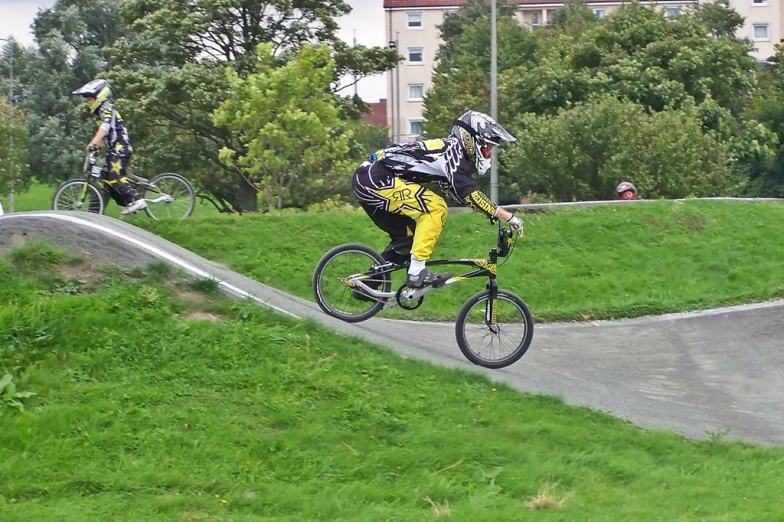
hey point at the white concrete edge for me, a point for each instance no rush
(157, 252)
(580, 204)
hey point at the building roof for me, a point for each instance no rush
(396, 4)
(422, 3)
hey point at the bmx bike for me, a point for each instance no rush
(168, 196)
(347, 291)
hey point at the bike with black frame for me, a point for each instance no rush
(361, 294)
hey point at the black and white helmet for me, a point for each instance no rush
(98, 89)
(478, 134)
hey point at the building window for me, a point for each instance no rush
(417, 127)
(534, 20)
(600, 13)
(416, 92)
(761, 32)
(414, 20)
(759, 2)
(672, 12)
(415, 55)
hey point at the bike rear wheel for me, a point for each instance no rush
(71, 196)
(180, 190)
(336, 294)
(513, 329)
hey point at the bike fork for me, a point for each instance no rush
(490, 305)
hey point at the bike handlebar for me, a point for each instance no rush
(90, 159)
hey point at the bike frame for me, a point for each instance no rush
(97, 175)
(485, 268)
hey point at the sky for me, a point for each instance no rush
(367, 18)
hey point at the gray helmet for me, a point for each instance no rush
(98, 89)
(478, 134)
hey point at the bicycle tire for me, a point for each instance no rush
(318, 272)
(521, 349)
(191, 193)
(97, 204)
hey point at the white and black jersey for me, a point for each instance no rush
(438, 161)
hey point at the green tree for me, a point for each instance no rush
(637, 54)
(634, 53)
(766, 176)
(692, 63)
(461, 80)
(85, 26)
(584, 152)
(70, 38)
(458, 25)
(171, 67)
(573, 17)
(287, 126)
(719, 18)
(13, 150)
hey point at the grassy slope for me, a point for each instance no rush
(143, 416)
(572, 264)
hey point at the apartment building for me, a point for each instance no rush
(411, 25)
(764, 23)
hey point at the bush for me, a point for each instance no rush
(582, 153)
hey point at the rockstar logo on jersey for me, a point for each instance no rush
(401, 195)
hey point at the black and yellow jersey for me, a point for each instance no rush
(117, 140)
(438, 161)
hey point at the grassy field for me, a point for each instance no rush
(156, 400)
(39, 197)
(602, 262)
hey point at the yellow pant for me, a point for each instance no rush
(404, 200)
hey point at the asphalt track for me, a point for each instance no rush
(718, 371)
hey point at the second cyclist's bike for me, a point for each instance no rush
(494, 328)
(168, 196)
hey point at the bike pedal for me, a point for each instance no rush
(439, 284)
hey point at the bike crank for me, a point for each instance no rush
(410, 298)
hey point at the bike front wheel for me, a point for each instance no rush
(169, 196)
(335, 289)
(494, 335)
(79, 195)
